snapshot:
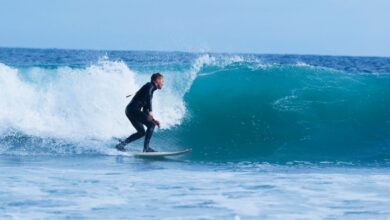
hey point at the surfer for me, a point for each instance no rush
(139, 112)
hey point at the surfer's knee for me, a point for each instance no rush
(141, 133)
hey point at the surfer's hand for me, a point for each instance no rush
(157, 123)
(150, 117)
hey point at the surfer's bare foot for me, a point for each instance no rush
(149, 150)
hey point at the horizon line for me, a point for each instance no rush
(194, 52)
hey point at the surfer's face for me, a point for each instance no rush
(159, 82)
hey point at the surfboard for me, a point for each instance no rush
(161, 154)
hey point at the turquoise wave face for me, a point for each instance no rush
(287, 112)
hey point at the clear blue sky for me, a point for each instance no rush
(334, 27)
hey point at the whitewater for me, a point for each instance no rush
(273, 136)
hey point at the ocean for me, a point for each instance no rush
(272, 136)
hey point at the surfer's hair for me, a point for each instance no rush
(155, 76)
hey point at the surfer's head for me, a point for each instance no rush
(158, 80)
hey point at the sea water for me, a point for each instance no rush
(273, 136)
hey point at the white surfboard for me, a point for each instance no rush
(161, 154)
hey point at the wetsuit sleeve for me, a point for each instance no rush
(149, 96)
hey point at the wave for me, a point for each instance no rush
(224, 107)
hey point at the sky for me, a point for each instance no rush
(324, 27)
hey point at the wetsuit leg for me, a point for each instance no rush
(137, 119)
(140, 132)
(143, 118)
(149, 132)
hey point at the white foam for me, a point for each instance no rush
(83, 102)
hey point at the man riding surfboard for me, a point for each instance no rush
(139, 112)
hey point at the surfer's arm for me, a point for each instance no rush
(149, 96)
(157, 122)
(150, 118)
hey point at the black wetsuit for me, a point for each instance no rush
(137, 112)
